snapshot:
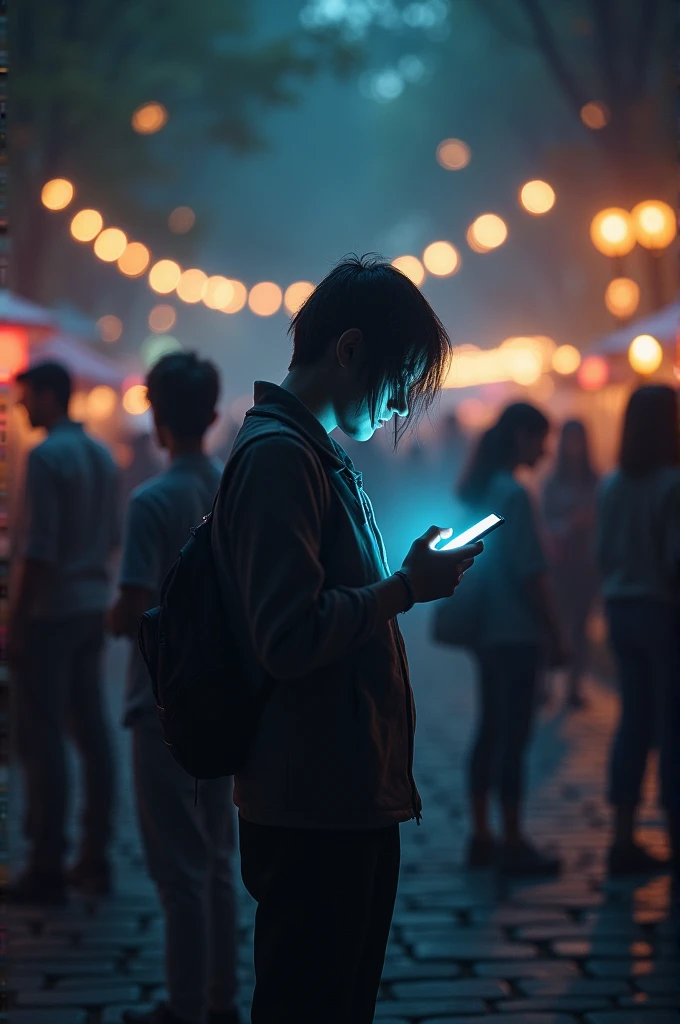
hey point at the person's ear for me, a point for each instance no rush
(348, 347)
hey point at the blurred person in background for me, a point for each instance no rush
(516, 625)
(188, 846)
(638, 545)
(56, 638)
(568, 504)
(145, 463)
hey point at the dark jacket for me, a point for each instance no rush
(297, 546)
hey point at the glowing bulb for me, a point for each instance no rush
(110, 328)
(101, 402)
(135, 400)
(645, 354)
(441, 259)
(525, 366)
(164, 276)
(537, 197)
(149, 118)
(296, 294)
(488, 232)
(593, 373)
(13, 351)
(655, 224)
(134, 260)
(566, 359)
(218, 292)
(57, 194)
(622, 297)
(265, 298)
(411, 267)
(192, 285)
(238, 299)
(453, 154)
(162, 318)
(86, 225)
(181, 220)
(595, 115)
(110, 244)
(611, 232)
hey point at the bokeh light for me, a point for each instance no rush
(77, 406)
(411, 267)
(86, 225)
(192, 285)
(156, 346)
(453, 154)
(566, 359)
(162, 318)
(218, 292)
(474, 414)
(593, 373)
(537, 197)
(13, 351)
(181, 220)
(57, 194)
(488, 232)
(238, 299)
(149, 118)
(655, 224)
(110, 328)
(134, 261)
(135, 400)
(110, 244)
(645, 354)
(595, 115)
(622, 297)
(101, 402)
(164, 276)
(265, 298)
(612, 232)
(441, 259)
(296, 294)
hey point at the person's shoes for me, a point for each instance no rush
(38, 888)
(634, 860)
(161, 1014)
(481, 853)
(92, 878)
(223, 1017)
(524, 860)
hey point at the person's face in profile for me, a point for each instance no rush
(530, 448)
(30, 400)
(352, 405)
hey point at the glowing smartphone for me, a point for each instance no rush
(475, 533)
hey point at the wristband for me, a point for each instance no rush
(409, 588)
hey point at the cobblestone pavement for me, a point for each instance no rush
(462, 946)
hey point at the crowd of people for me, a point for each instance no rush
(313, 608)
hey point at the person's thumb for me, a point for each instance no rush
(435, 534)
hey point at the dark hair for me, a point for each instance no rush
(407, 345)
(650, 431)
(183, 392)
(585, 469)
(496, 447)
(52, 377)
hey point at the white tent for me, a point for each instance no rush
(663, 325)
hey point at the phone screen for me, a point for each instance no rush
(476, 532)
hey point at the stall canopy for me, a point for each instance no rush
(88, 366)
(663, 325)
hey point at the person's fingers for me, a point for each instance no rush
(435, 534)
(466, 564)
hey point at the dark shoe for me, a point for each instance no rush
(93, 878)
(161, 1014)
(38, 888)
(524, 860)
(634, 860)
(481, 853)
(223, 1017)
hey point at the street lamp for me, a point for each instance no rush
(655, 227)
(612, 232)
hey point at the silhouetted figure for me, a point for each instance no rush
(638, 546)
(516, 620)
(56, 636)
(188, 846)
(569, 500)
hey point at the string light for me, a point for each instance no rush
(218, 292)
(135, 400)
(101, 402)
(622, 297)
(488, 231)
(134, 260)
(296, 294)
(149, 118)
(192, 285)
(110, 328)
(441, 259)
(411, 267)
(110, 244)
(566, 359)
(265, 298)
(537, 197)
(162, 318)
(238, 299)
(654, 223)
(612, 232)
(57, 194)
(86, 225)
(164, 276)
(453, 154)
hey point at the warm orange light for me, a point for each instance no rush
(622, 297)
(566, 359)
(655, 224)
(181, 220)
(238, 299)
(86, 225)
(645, 354)
(134, 260)
(164, 276)
(441, 259)
(296, 294)
(411, 267)
(149, 118)
(612, 233)
(77, 406)
(110, 244)
(453, 154)
(57, 194)
(474, 414)
(593, 373)
(13, 352)
(218, 291)
(101, 402)
(110, 328)
(192, 285)
(265, 298)
(595, 115)
(537, 197)
(162, 318)
(135, 400)
(488, 232)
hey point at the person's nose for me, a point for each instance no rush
(398, 404)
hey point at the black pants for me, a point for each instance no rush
(325, 902)
(58, 692)
(507, 686)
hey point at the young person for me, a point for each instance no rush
(638, 551)
(70, 529)
(188, 848)
(518, 624)
(313, 607)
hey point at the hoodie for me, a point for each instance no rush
(297, 548)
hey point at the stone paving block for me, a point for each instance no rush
(581, 930)
(82, 997)
(574, 986)
(654, 1002)
(516, 1018)
(513, 969)
(410, 971)
(428, 1007)
(25, 982)
(562, 1004)
(455, 949)
(86, 982)
(480, 988)
(601, 947)
(660, 984)
(641, 1016)
(114, 1014)
(72, 1016)
(517, 916)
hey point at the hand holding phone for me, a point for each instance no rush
(481, 529)
(435, 574)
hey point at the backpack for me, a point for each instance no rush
(207, 708)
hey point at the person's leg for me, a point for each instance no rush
(666, 653)
(315, 892)
(516, 670)
(91, 735)
(218, 815)
(577, 625)
(481, 756)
